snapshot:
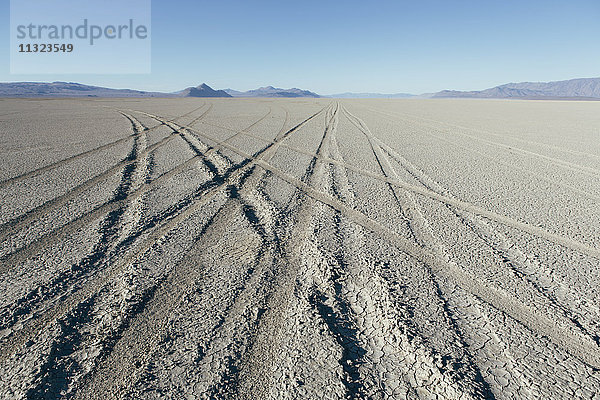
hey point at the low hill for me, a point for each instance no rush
(573, 88)
(270, 91)
(68, 89)
(202, 90)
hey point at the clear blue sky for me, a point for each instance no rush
(337, 46)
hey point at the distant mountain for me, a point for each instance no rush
(72, 89)
(68, 89)
(202, 91)
(570, 89)
(270, 91)
(584, 88)
(350, 95)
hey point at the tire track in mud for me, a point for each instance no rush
(498, 298)
(464, 380)
(575, 344)
(423, 234)
(512, 136)
(75, 157)
(150, 314)
(160, 224)
(230, 335)
(46, 239)
(207, 150)
(119, 369)
(122, 362)
(131, 178)
(507, 252)
(538, 176)
(335, 311)
(62, 347)
(511, 256)
(567, 242)
(499, 162)
(522, 266)
(60, 163)
(463, 205)
(522, 314)
(254, 377)
(10, 228)
(115, 209)
(115, 225)
(589, 171)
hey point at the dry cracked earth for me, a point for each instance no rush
(299, 249)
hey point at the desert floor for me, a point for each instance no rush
(299, 248)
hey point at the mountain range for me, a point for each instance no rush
(583, 88)
(574, 88)
(270, 91)
(72, 89)
(67, 89)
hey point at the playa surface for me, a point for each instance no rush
(299, 248)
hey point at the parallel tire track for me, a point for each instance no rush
(161, 227)
(589, 171)
(115, 368)
(67, 160)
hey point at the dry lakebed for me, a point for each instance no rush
(299, 249)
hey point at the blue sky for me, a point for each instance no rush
(337, 46)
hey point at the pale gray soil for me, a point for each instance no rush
(299, 249)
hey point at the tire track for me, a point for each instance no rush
(231, 336)
(218, 164)
(575, 344)
(411, 356)
(423, 234)
(114, 226)
(593, 172)
(157, 228)
(66, 278)
(10, 228)
(451, 125)
(17, 256)
(254, 379)
(123, 361)
(463, 205)
(60, 163)
(523, 267)
(117, 221)
(117, 368)
(504, 250)
(67, 160)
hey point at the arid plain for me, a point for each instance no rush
(299, 249)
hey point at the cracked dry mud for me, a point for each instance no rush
(299, 249)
